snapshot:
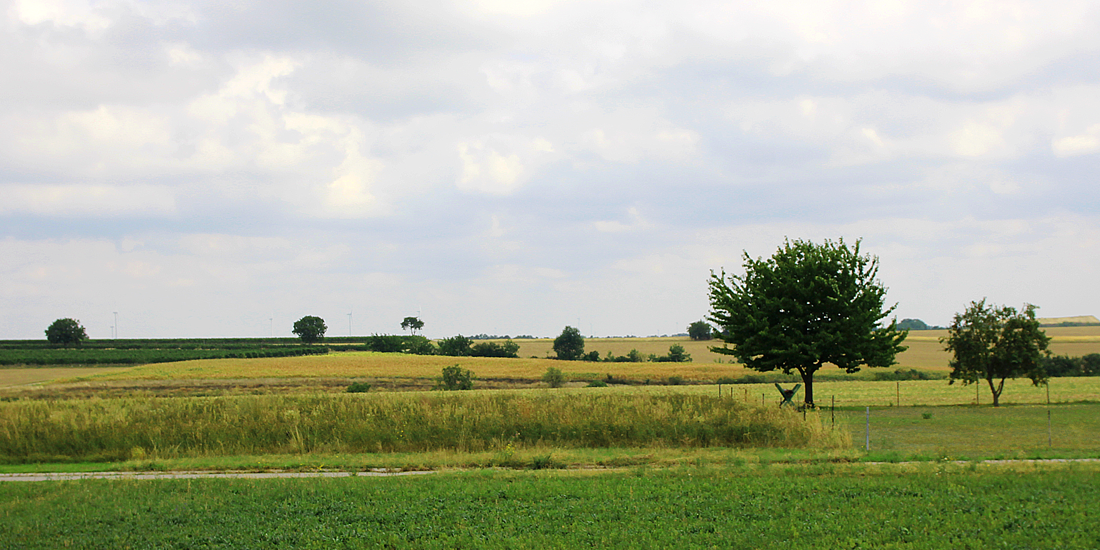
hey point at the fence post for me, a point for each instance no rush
(1050, 433)
(832, 412)
(867, 443)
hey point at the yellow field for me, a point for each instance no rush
(24, 376)
(925, 353)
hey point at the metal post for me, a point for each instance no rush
(867, 438)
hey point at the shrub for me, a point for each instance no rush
(456, 346)
(597, 384)
(456, 378)
(493, 349)
(358, 387)
(593, 356)
(675, 380)
(554, 377)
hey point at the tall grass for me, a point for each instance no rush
(117, 429)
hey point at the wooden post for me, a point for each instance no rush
(899, 393)
(867, 431)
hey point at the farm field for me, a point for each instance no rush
(932, 506)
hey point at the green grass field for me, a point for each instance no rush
(748, 506)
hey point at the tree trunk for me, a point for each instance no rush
(808, 385)
(996, 391)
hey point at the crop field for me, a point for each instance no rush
(934, 506)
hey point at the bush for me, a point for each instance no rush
(456, 346)
(456, 378)
(358, 387)
(554, 377)
(597, 384)
(675, 380)
(905, 374)
(592, 356)
(493, 349)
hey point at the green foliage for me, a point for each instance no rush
(1060, 365)
(700, 330)
(554, 377)
(310, 329)
(456, 378)
(675, 380)
(633, 356)
(570, 344)
(689, 508)
(806, 306)
(412, 324)
(358, 387)
(596, 384)
(493, 349)
(676, 354)
(65, 332)
(996, 343)
(906, 374)
(163, 353)
(914, 324)
(456, 346)
(592, 356)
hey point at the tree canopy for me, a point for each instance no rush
(806, 306)
(994, 343)
(66, 331)
(570, 344)
(310, 329)
(412, 324)
(699, 330)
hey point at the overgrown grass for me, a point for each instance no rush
(825, 506)
(118, 429)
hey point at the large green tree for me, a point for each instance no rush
(807, 306)
(570, 344)
(996, 343)
(310, 329)
(66, 331)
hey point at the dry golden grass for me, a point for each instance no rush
(24, 376)
(394, 365)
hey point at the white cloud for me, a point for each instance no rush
(87, 200)
(486, 170)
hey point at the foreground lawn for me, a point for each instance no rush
(820, 506)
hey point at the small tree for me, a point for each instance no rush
(996, 343)
(456, 378)
(570, 344)
(699, 330)
(412, 324)
(676, 354)
(66, 331)
(554, 377)
(807, 306)
(310, 329)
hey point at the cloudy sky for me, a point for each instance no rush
(213, 168)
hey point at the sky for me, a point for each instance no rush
(221, 169)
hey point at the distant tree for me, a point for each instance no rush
(806, 306)
(310, 329)
(456, 378)
(699, 330)
(456, 346)
(912, 324)
(66, 331)
(570, 344)
(493, 349)
(412, 324)
(554, 377)
(996, 343)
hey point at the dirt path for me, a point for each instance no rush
(214, 474)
